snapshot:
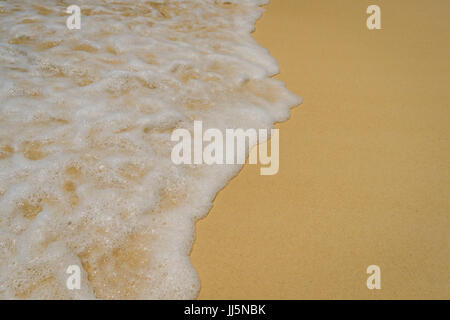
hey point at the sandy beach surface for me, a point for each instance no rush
(364, 162)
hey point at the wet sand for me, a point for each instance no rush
(364, 162)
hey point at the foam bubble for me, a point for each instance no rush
(85, 121)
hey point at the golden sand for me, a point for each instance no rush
(364, 162)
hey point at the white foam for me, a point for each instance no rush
(85, 123)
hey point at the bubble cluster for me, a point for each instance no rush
(85, 122)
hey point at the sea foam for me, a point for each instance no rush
(86, 116)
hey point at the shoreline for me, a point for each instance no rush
(362, 163)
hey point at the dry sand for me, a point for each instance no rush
(364, 162)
